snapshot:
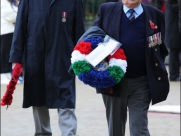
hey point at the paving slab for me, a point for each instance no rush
(90, 112)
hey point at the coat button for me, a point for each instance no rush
(156, 64)
(155, 49)
(159, 78)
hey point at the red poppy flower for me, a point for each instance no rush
(119, 54)
(83, 47)
(153, 26)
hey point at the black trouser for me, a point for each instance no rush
(5, 45)
(174, 63)
(134, 95)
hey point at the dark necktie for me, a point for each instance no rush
(131, 16)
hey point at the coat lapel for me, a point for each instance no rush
(148, 17)
(116, 21)
(149, 30)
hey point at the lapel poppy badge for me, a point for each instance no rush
(153, 26)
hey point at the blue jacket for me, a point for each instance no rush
(109, 19)
(45, 34)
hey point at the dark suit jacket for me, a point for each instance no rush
(109, 19)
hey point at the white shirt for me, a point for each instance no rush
(138, 10)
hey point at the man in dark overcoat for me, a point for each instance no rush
(141, 30)
(172, 38)
(45, 34)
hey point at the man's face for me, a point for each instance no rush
(131, 3)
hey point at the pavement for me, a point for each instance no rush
(164, 117)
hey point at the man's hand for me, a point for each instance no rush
(13, 65)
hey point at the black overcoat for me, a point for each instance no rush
(109, 19)
(172, 35)
(46, 42)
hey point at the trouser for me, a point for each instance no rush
(174, 63)
(67, 121)
(134, 94)
(5, 46)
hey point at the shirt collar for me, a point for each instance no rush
(138, 10)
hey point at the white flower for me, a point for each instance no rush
(118, 62)
(77, 56)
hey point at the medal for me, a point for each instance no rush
(155, 37)
(151, 39)
(154, 40)
(159, 41)
(64, 16)
(151, 45)
(159, 38)
(160, 35)
(63, 19)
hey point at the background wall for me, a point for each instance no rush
(91, 8)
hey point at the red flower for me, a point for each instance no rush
(119, 54)
(10, 87)
(7, 98)
(83, 47)
(153, 26)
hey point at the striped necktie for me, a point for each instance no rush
(131, 16)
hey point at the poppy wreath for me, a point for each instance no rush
(88, 74)
(8, 96)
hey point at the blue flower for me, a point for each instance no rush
(94, 41)
(98, 79)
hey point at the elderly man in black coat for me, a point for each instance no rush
(141, 30)
(45, 34)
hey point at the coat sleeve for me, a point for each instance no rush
(20, 33)
(97, 21)
(79, 27)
